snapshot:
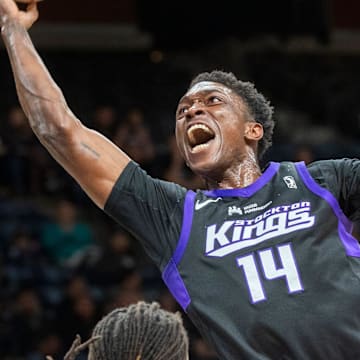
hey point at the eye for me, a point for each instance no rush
(214, 99)
(182, 110)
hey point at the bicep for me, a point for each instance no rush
(93, 161)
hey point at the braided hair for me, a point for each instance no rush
(258, 107)
(141, 331)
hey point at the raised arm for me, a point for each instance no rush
(86, 155)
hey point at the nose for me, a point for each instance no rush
(196, 108)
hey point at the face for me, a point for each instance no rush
(211, 126)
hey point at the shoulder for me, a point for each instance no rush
(330, 167)
(134, 176)
(340, 176)
(134, 184)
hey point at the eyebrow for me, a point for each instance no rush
(201, 92)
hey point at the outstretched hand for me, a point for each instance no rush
(76, 347)
(10, 11)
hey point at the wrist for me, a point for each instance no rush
(8, 25)
(5, 23)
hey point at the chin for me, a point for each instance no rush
(206, 169)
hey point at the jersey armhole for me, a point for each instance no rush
(171, 275)
(345, 226)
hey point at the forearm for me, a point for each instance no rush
(40, 97)
(85, 154)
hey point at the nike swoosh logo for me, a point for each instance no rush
(200, 205)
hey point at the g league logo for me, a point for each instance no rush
(290, 182)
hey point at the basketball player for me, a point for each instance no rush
(263, 261)
(141, 331)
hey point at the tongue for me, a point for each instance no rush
(199, 136)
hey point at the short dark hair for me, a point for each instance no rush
(140, 331)
(258, 106)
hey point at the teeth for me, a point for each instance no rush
(194, 129)
(199, 126)
(198, 148)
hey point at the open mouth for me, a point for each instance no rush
(199, 137)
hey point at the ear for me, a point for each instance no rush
(253, 131)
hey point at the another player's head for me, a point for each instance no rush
(230, 117)
(142, 331)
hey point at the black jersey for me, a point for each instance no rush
(270, 271)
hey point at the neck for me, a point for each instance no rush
(243, 174)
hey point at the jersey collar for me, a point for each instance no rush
(248, 190)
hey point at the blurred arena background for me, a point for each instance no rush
(122, 66)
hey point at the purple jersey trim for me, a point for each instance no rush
(171, 274)
(351, 245)
(176, 285)
(248, 190)
(186, 226)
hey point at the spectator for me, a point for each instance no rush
(135, 138)
(80, 318)
(105, 120)
(200, 350)
(47, 343)
(304, 153)
(68, 240)
(128, 292)
(116, 260)
(26, 321)
(23, 260)
(18, 143)
(76, 287)
(176, 169)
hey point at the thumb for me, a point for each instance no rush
(32, 10)
(28, 17)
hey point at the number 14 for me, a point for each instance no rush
(288, 271)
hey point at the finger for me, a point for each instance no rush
(48, 357)
(28, 17)
(32, 9)
(76, 342)
(77, 347)
(71, 354)
(88, 342)
(31, 6)
(26, 1)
